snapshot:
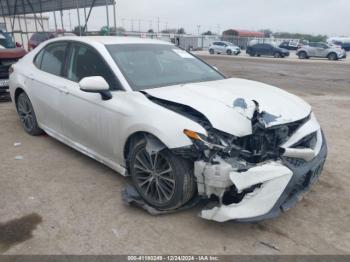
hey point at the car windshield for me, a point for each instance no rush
(6, 40)
(148, 66)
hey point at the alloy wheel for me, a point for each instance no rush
(154, 177)
(25, 112)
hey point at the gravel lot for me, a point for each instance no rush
(73, 204)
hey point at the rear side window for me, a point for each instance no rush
(38, 59)
(53, 58)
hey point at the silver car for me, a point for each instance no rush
(223, 47)
(321, 50)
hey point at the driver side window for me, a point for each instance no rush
(85, 62)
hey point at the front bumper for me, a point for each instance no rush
(4, 85)
(342, 55)
(282, 184)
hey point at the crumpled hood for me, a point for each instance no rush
(217, 100)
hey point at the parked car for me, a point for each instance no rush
(291, 45)
(268, 49)
(9, 54)
(346, 46)
(344, 42)
(321, 50)
(223, 47)
(39, 37)
(175, 124)
(343, 45)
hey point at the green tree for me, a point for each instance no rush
(308, 37)
(181, 31)
(77, 30)
(208, 33)
(267, 32)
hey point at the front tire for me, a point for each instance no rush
(302, 55)
(165, 181)
(211, 51)
(332, 57)
(27, 115)
(277, 55)
(229, 52)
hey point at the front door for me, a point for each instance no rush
(89, 121)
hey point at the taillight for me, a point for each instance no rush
(11, 70)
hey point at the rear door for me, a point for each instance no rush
(323, 50)
(46, 87)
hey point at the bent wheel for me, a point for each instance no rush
(164, 180)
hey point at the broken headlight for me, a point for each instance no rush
(211, 141)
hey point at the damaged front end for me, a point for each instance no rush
(255, 177)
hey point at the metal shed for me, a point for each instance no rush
(16, 9)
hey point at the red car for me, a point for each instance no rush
(37, 38)
(10, 53)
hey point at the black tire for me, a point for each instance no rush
(27, 115)
(277, 55)
(211, 51)
(332, 57)
(163, 191)
(229, 52)
(302, 55)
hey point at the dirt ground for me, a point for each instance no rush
(54, 200)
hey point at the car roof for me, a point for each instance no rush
(111, 40)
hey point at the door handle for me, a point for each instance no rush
(64, 90)
(30, 76)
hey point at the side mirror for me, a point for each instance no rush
(96, 84)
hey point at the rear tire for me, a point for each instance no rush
(302, 55)
(164, 180)
(332, 57)
(27, 115)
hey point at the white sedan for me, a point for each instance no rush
(175, 124)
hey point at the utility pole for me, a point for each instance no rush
(199, 29)
(158, 24)
(70, 21)
(139, 25)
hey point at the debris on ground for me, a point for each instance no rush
(19, 157)
(132, 197)
(17, 144)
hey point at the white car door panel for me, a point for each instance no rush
(46, 86)
(47, 95)
(89, 120)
